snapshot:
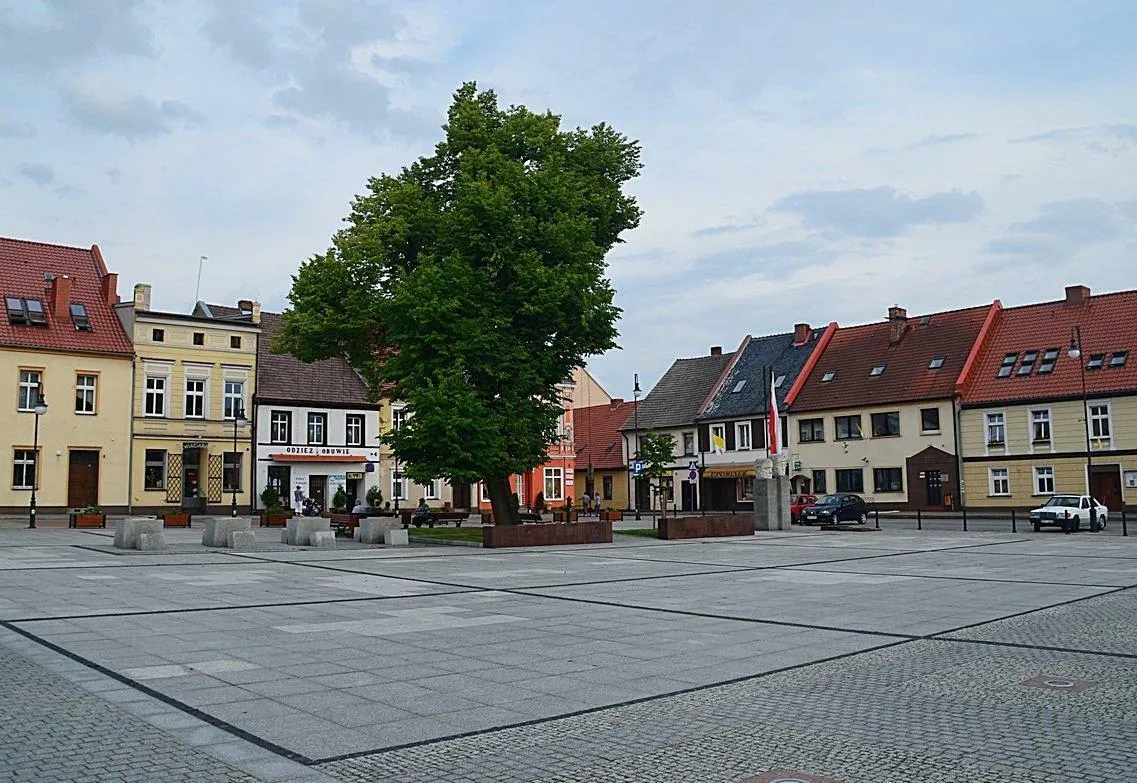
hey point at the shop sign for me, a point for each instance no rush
(354, 476)
(196, 444)
(322, 451)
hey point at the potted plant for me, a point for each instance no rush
(565, 514)
(375, 497)
(611, 514)
(339, 501)
(175, 517)
(91, 516)
(274, 513)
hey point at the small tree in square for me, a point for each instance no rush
(657, 452)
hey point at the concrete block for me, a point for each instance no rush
(357, 536)
(396, 537)
(772, 503)
(300, 529)
(216, 530)
(284, 536)
(151, 542)
(242, 540)
(371, 530)
(127, 531)
(323, 539)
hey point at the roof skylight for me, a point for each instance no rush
(876, 371)
(25, 311)
(36, 315)
(1008, 365)
(936, 363)
(1028, 362)
(779, 381)
(1096, 361)
(1049, 357)
(79, 317)
(925, 320)
(1118, 358)
(829, 376)
(738, 386)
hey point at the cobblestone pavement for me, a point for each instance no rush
(890, 656)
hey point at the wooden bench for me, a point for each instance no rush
(531, 517)
(438, 517)
(344, 524)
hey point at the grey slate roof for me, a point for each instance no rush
(777, 353)
(675, 400)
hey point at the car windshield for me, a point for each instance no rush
(830, 500)
(1065, 501)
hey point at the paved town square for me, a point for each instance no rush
(807, 655)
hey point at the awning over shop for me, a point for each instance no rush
(728, 471)
(318, 458)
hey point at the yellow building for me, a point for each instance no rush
(63, 352)
(1050, 405)
(194, 380)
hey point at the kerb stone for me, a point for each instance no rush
(217, 530)
(242, 540)
(323, 539)
(300, 529)
(151, 542)
(371, 530)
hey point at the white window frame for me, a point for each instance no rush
(156, 395)
(357, 420)
(322, 418)
(1045, 422)
(989, 424)
(741, 443)
(431, 490)
(230, 398)
(27, 398)
(483, 492)
(33, 462)
(1096, 419)
(202, 397)
(398, 485)
(285, 421)
(554, 480)
(1043, 473)
(720, 430)
(398, 417)
(689, 438)
(86, 396)
(939, 423)
(993, 481)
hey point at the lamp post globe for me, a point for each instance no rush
(40, 409)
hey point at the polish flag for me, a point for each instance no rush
(773, 424)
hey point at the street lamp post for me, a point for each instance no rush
(1075, 352)
(40, 409)
(239, 420)
(636, 414)
(397, 480)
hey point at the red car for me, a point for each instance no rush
(798, 503)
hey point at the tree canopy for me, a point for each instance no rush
(657, 452)
(470, 285)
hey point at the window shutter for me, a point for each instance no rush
(174, 478)
(730, 443)
(785, 431)
(704, 437)
(758, 428)
(216, 473)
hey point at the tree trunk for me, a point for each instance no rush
(662, 499)
(501, 499)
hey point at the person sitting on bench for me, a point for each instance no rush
(359, 509)
(422, 513)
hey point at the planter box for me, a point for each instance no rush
(560, 516)
(710, 526)
(275, 518)
(87, 520)
(176, 520)
(612, 516)
(592, 532)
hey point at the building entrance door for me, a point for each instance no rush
(83, 479)
(934, 488)
(1105, 484)
(462, 496)
(688, 496)
(318, 490)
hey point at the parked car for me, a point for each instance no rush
(1069, 512)
(799, 503)
(839, 507)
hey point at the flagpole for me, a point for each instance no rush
(766, 401)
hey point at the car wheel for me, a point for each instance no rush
(864, 518)
(1102, 522)
(1037, 527)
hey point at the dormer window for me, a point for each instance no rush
(1096, 361)
(1008, 365)
(79, 317)
(1118, 358)
(876, 371)
(936, 363)
(22, 311)
(1049, 357)
(829, 376)
(738, 386)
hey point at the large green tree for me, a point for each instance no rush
(472, 283)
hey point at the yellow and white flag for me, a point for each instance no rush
(718, 442)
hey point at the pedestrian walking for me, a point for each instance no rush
(586, 503)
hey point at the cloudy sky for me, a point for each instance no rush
(804, 160)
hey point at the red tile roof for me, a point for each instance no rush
(596, 433)
(23, 265)
(852, 352)
(1108, 323)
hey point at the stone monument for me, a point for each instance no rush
(771, 494)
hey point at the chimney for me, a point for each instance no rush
(60, 294)
(142, 296)
(897, 324)
(616, 402)
(255, 308)
(245, 305)
(1077, 295)
(110, 289)
(802, 333)
(716, 350)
